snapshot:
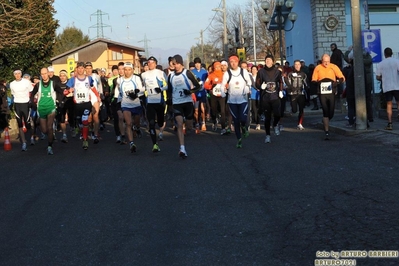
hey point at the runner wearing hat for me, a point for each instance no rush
(155, 83)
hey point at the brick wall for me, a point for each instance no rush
(322, 38)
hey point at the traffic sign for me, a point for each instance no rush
(371, 40)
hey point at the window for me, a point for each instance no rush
(382, 8)
(117, 55)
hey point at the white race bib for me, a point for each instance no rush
(326, 87)
(217, 90)
(82, 93)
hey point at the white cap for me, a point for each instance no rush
(50, 69)
(128, 64)
(302, 60)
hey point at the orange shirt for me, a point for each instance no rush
(214, 78)
(330, 72)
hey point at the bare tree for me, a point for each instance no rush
(266, 41)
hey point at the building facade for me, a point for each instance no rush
(102, 53)
(322, 22)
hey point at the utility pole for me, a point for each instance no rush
(145, 40)
(127, 24)
(225, 43)
(253, 30)
(358, 64)
(100, 25)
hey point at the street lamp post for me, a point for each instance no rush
(225, 43)
(282, 7)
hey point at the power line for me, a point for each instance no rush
(220, 3)
(127, 23)
(69, 14)
(145, 40)
(100, 25)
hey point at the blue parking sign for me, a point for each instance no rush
(371, 40)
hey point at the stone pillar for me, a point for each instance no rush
(328, 26)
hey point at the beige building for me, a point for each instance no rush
(102, 53)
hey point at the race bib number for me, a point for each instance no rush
(82, 94)
(217, 90)
(325, 88)
(271, 87)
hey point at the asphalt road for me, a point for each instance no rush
(264, 204)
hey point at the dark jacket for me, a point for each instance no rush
(273, 80)
(336, 57)
(296, 82)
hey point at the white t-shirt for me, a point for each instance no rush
(152, 79)
(20, 90)
(388, 69)
(238, 88)
(128, 85)
(180, 82)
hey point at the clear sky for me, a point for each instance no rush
(166, 23)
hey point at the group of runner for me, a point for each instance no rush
(227, 95)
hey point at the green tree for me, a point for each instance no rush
(27, 32)
(207, 52)
(70, 38)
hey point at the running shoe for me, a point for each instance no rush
(389, 126)
(118, 139)
(123, 140)
(85, 145)
(245, 132)
(280, 127)
(24, 147)
(64, 138)
(228, 131)
(156, 148)
(32, 141)
(239, 144)
(257, 127)
(197, 130)
(327, 137)
(183, 154)
(300, 127)
(223, 132)
(267, 139)
(50, 150)
(132, 147)
(277, 130)
(42, 136)
(160, 136)
(95, 139)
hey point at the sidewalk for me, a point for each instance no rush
(338, 123)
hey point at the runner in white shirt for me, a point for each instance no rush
(83, 91)
(237, 83)
(388, 74)
(20, 89)
(130, 89)
(181, 83)
(95, 102)
(155, 83)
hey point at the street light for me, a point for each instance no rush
(282, 9)
(223, 10)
